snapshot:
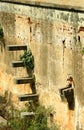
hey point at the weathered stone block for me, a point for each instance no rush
(16, 47)
(17, 64)
(27, 97)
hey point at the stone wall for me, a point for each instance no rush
(72, 3)
(53, 38)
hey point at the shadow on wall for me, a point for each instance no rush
(2, 40)
(67, 93)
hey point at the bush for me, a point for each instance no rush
(38, 122)
(28, 59)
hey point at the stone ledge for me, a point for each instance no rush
(17, 64)
(78, 9)
(27, 97)
(24, 80)
(16, 47)
(26, 114)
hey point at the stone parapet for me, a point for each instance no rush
(70, 6)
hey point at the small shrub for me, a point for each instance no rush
(15, 124)
(28, 59)
(40, 120)
(37, 122)
(83, 51)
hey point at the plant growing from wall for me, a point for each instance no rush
(83, 51)
(28, 59)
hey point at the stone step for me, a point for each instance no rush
(26, 114)
(16, 47)
(17, 64)
(24, 80)
(68, 89)
(27, 97)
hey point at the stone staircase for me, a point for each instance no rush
(24, 80)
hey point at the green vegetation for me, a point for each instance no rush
(28, 59)
(83, 51)
(37, 122)
(40, 121)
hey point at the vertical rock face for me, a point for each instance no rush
(56, 40)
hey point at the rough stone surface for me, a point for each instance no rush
(75, 3)
(56, 43)
(2, 121)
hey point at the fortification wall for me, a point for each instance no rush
(53, 38)
(75, 3)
